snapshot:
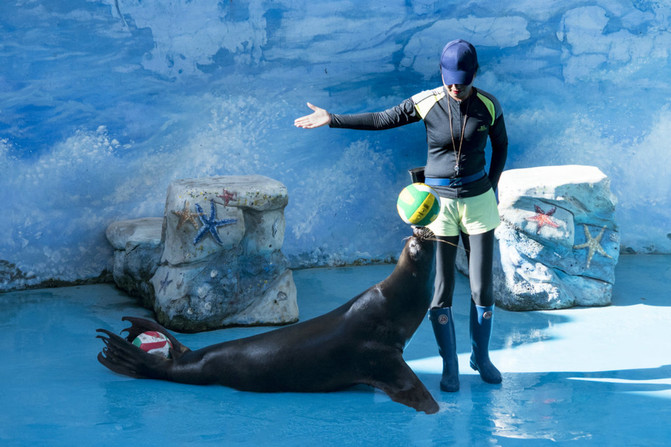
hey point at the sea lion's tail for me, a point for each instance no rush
(122, 357)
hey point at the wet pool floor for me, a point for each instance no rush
(586, 376)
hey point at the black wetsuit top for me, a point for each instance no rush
(485, 119)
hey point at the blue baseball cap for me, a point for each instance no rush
(458, 63)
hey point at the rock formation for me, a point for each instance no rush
(558, 242)
(219, 259)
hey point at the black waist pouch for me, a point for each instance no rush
(417, 174)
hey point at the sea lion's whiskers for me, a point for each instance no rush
(436, 240)
(446, 242)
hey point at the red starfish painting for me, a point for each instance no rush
(228, 196)
(542, 218)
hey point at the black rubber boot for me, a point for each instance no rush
(443, 329)
(481, 331)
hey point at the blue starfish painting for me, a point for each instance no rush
(210, 224)
(164, 283)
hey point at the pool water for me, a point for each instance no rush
(584, 376)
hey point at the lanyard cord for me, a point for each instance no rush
(463, 128)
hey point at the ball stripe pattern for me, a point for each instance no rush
(418, 204)
(153, 342)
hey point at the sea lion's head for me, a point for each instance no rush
(420, 247)
(410, 286)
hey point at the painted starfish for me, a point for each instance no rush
(164, 283)
(542, 218)
(185, 215)
(593, 245)
(228, 196)
(210, 224)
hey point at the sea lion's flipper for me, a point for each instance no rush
(404, 387)
(123, 357)
(140, 325)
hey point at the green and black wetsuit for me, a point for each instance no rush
(485, 119)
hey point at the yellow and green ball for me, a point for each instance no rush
(418, 204)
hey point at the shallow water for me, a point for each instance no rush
(588, 376)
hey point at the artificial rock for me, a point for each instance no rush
(220, 261)
(558, 242)
(137, 252)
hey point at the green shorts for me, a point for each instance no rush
(472, 215)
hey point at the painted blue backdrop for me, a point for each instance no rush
(104, 102)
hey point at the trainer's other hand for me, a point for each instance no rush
(318, 118)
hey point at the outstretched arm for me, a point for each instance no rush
(318, 118)
(396, 116)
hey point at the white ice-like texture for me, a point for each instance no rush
(592, 52)
(179, 27)
(498, 32)
(103, 103)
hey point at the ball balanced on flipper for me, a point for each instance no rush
(418, 204)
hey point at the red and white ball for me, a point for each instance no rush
(153, 342)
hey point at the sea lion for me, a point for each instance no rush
(360, 342)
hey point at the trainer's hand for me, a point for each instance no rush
(318, 118)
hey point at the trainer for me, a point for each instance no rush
(459, 119)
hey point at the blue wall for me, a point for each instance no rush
(104, 102)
